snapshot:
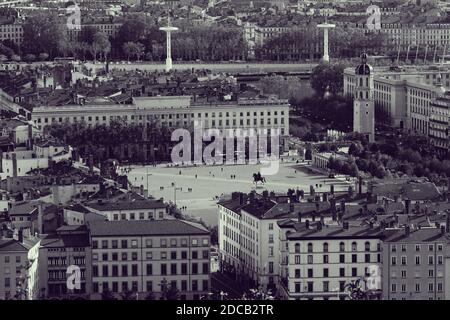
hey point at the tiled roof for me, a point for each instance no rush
(334, 232)
(25, 208)
(73, 240)
(259, 208)
(411, 190)
(417, 235)
(145, 227)
(12, 245)
(305, 208)
(78, 208)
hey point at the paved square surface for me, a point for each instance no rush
(212, 181)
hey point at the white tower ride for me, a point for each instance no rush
(325, 26)
(168, 30)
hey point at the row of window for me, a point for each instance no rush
(325, 246)
(149, 243)
(162, 116)
(417, 260)
(8, 259)
(149, 286)
(325, 259)
(417, 288)
(417, 247)
(174, 268)
(417, 274)
(149, 255)
(326, 273)
(140, 216)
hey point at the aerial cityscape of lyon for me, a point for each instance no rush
(224, 150)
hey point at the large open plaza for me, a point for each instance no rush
(197, 187)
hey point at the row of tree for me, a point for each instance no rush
(138, 38)
(307, 43)
(408, 155)
(121, 141)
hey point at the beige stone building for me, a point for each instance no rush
(139, 256)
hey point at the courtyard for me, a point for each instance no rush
(198, 188)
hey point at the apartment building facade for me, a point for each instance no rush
(247, 241)
(439, 122)
(14, 31)
(19, 265)
(249, 238)
(139, 256)
(175, 112)
(414, 263)
(68, 247)
(318, 261)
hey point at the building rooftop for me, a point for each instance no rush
(78, 208)
(127, 205)
(146, 228)
(24, 208)
(415, 191)
(8, 245)
(333, 232)
(64, 241)
(416, 235)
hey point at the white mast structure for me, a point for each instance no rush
(325, 26)
(168, 30)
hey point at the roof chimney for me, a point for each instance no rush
(291, 207)
(407, 206)
(252, 197)
(20, 235)
(447, 222)
(345, 225)
(299, 216)
(307, 224)
(343, 205)
(319, 226)
(242, 198)
(407, 231)
(442, 230)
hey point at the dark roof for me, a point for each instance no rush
(15, 245)
(417, 235)
(70, 240)
(259, 207)
(25, 208)
(333, 232)
(415, 191)
(78, 208)
(12, 245)
(363, 68)
(146, 227)
(232, 204)
(306, 209)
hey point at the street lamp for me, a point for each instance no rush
(175, 189)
